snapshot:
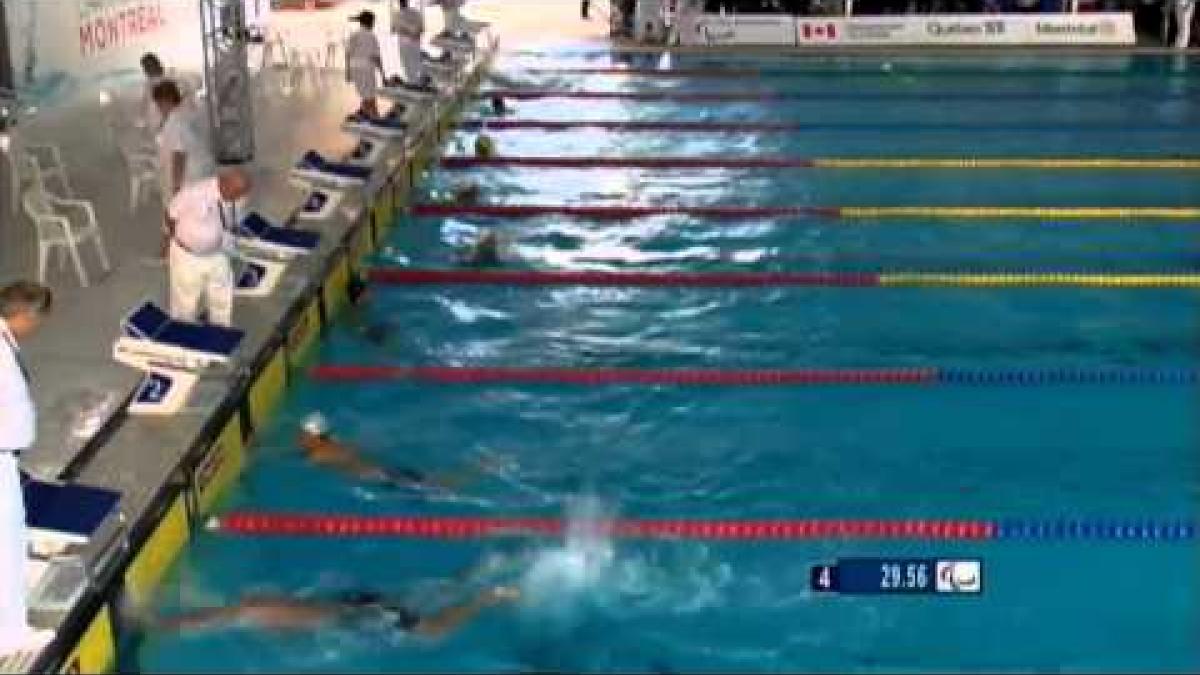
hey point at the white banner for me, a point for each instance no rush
(1114, 28)
(970, 29)
(714, 30)
(67, 48)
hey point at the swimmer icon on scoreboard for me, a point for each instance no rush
(899, 576)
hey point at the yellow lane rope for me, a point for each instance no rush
(1004, 163)
(1042, 279)
(1024, 212)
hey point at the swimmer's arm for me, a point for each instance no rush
(447, 620)
(262, 613)
(201, 619)
(463, 478)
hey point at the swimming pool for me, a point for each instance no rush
(1121, 452)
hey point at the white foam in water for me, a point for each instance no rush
(560, 577)
(564, 583)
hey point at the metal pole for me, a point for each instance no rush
(7, 79)
(227, 79)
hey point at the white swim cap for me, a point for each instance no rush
(316, 424)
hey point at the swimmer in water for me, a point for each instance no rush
(485, 252)
(485, 147)
(466, 194)
(325, 451)
(376, 333)
(354, 609)
(499, 107)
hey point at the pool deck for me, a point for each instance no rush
(143, 457)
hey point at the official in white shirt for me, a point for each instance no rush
(22, 306)
(363, 60)
(408, 24)
(200, 270)
(183, 153)
(152, 68)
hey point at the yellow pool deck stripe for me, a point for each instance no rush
(1073, 164)
(919, 279)
(1025, 212)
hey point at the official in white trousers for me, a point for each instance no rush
(364, 59)
(408, 24)
(456, 23)
(1184, 11)
(22, 306)
(201, 272)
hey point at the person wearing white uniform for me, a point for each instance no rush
(200, 270)
(456, 23)
(363, 60)
(152, 68)
(1184, 10)
(408, 24)
(22, 306)
(184, 156)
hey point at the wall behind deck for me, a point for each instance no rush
(66, 48)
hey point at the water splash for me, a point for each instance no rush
(561, 578)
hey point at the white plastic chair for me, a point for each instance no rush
(44, 163)
(142, 165)
(333, 47)
(54, 219)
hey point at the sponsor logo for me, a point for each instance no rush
(715, 35)
(959, 576)
(953, 29)
(1075, 28)
(957, 29)
(873, 31)
(818, 31)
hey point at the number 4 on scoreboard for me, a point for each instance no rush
(824, 578)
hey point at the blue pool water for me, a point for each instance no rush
(853, 452)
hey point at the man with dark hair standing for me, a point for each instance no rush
(155, 73)
(22, 306)
(408, 24)
(184, 157)
(363, 60)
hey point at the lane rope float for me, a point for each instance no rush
(784, 71)
(626, 211)
(824, 96)
(474, 527)
(410, 276)
(1011, 377)
(1055, 163)
(823, 127)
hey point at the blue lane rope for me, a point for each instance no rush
(1101, 529)
(1067, 376)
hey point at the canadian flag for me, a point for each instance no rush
(818, 31)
